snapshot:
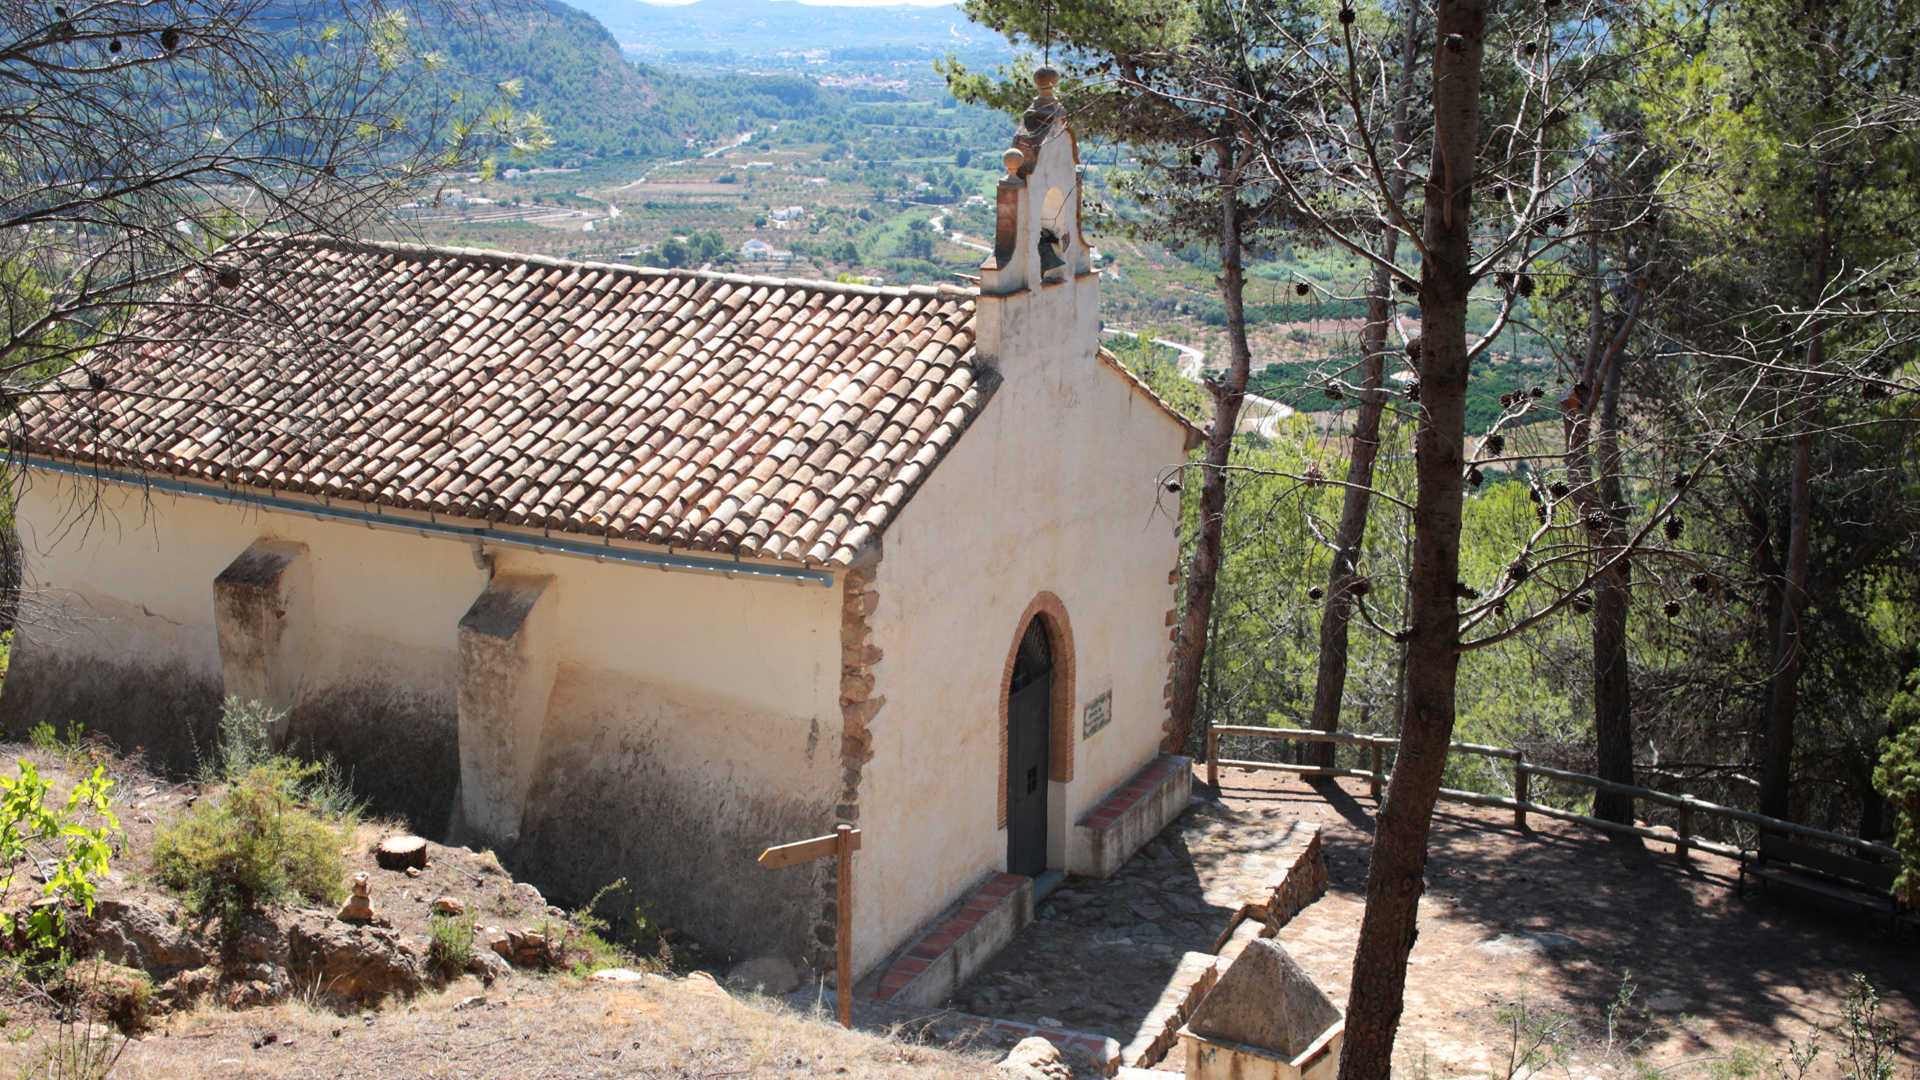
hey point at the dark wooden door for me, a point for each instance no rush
(1029, 720)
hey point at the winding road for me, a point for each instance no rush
(1258, 415)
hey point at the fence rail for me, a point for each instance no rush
(1687, 808)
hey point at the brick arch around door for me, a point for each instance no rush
(1052, 616)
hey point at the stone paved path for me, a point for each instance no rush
(1559, 917)
(1178, 895)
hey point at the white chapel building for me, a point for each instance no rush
(633, 573)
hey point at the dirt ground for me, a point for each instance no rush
(525, 1025)
(1559, 918)
(1711, 971)
(551, 1028)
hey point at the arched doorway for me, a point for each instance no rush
(1029, 739)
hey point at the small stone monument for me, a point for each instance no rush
(1264, 1020)
(359, 908)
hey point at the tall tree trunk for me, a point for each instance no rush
(1612, 696)
(1396, 875)
(1593, 466)
(1330, 684)
(1783, 682)
(1190, 645)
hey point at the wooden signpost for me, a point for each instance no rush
(842, 842)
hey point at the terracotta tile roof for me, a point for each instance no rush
(767, 418)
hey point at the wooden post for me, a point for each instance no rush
(1685, 831)
(1213, 760)
(1520, 792)
(1373, 782)
(842, 844)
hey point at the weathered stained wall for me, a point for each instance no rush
(690, 721)
(1053, 489)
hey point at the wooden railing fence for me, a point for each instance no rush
(1689, 811)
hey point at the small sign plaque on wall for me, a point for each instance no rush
(1098, 712)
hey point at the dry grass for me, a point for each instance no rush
(525, 1029)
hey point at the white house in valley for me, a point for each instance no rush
(633, 572)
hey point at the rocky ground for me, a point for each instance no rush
(304, 951)
(556, 1027)
(300, 991)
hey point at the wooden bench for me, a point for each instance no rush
(1833, 876)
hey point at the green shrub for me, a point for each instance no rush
(1898, 778)
(41, 736)
(77, 840)
(253, 845)
(1870, 1046)
(450, 946)
(246, 729)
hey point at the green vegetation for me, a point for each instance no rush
(72, 845)
(1303, 384)
(274, 832)
(1159, 367)
(252, 845)
(123, 995)
(629, 937)
(450, 944)
(1897, 777)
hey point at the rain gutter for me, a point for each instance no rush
(667, 560)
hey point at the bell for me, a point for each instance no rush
(1050, 259)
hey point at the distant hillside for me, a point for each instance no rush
(599, 103)
(595, 101)
(716, 29)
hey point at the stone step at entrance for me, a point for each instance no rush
(958, 944)
(1107, 836)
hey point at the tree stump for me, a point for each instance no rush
(401, 852)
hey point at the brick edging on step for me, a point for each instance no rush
(1115, 806)
(917, 958)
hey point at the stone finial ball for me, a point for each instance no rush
(1013, 159)
(1046, 78)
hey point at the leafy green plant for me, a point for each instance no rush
(246, 742)
(41, 736)
(253, 845)
(72, 845)
(1741, 1063)
(1870, 1044)
(1898, 778)
(246, 731)
(450, 943)
(44, 736)
(634, 939)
